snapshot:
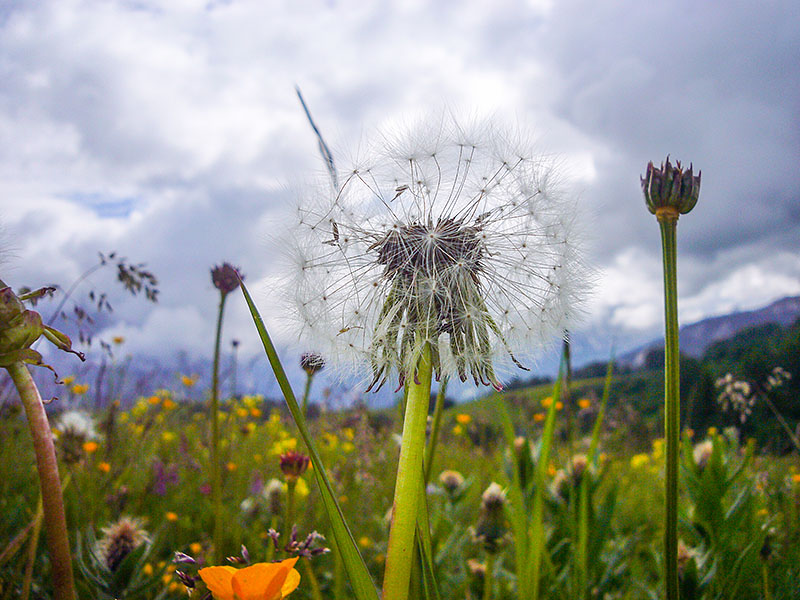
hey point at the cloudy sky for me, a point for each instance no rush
(170, 132)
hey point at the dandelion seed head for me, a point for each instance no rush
(450, 236)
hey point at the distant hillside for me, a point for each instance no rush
(695, 338)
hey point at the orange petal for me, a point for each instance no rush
(261, 581)
(291, 583)
(218, 580)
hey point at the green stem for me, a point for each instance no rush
(430, 451)
(55, 522)
(488, 580)
(304, 405)
(672, 409)
(316, 594)
(216, 473)
(399, 554)
(338, 569)
(290, 487)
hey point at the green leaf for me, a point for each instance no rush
(357, 572)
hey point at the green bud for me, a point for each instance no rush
(670, 190)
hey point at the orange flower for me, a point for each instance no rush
(261, 581)
(90, 447)
(584, 403)
(538, 417)
(104, 467)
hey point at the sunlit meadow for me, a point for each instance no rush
(446, 253)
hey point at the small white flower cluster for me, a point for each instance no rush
(736, 395)
(78, 423)
(444, 238)
(777, 377)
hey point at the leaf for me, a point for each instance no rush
(357, 572)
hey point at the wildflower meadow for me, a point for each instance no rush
(447, 252)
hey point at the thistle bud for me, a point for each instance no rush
(119, 540)
(451, 482)
(670, 191)
(226, 278)
(311, 363)
(294, 464)
(273, 492)
(491, 530)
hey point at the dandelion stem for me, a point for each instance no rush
(668, 225)
(52, 500)
(400, 553)
(216, 474)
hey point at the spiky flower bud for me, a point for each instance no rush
(450, 239)
(273, 492)
(119, 540)
(311, 363)
(294, 464)
(491, 529)
(702, 453)
(451, 482)
(670, 191)
(226, 278)
(20, 328)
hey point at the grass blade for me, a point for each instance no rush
(357, 572)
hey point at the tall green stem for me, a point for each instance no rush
(55, 522)
(409, 482)
(668, 223)
(216, 474)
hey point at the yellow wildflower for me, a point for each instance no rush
(547, 402)
(584, 403)
(255, 412)
(463, 419)
(118, 339)
(261, 581)
(80, 388)
(364, 542)
(712, 431)
(153, 400)
(300, 488)
(171, 517)
(68, 380)
(796, 478)
(147, 569)
(90, 447)
(104, 467)
(559, 405)
(188, 381)
(551, 470)
(168, 436)
(169, 404)
(639, 460)
(195, 547)
(458, 430)
(231, 466)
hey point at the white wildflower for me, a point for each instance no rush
(78, 423)
(446, 238)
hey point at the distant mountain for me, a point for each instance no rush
(697, 337)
